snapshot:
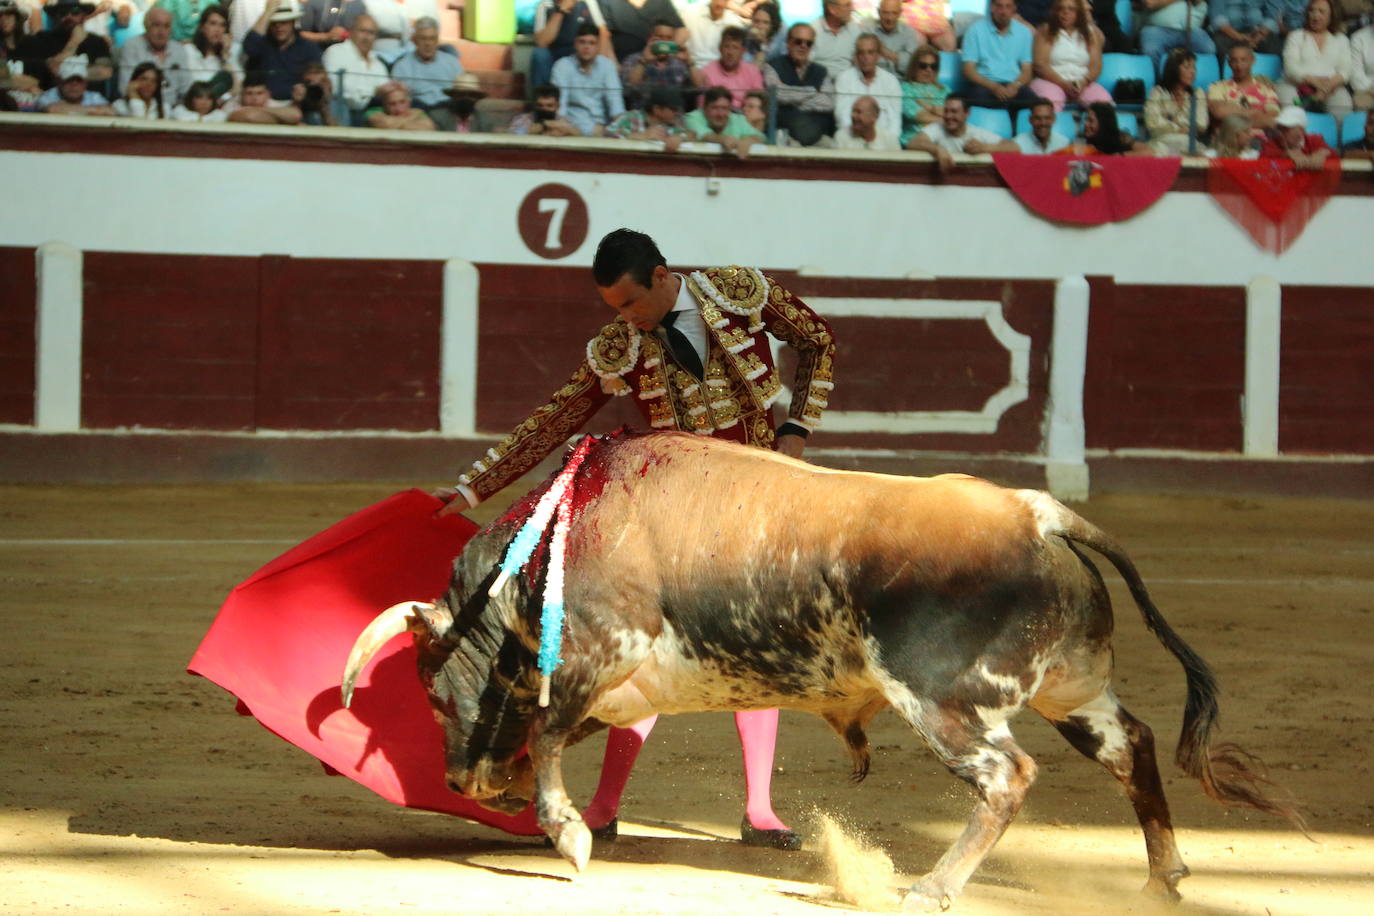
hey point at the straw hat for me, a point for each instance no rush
(287, 12)
(466, 84)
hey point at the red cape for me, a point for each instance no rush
(281, 639)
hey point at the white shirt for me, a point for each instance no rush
(691, 324)
(703, 32)
(1362, 59)
(242, 16)
(885, 89)
(185, 114)
(883, 140)
(203, 67)
(361, 77)
(136, 108)
(1302, 59)
(1069, 56)
(935, 133)
(1031, 146)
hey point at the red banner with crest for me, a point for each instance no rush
(1090, 189)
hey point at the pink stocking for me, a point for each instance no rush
(758, 734)
(622, 747)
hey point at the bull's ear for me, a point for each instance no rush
(431, 621)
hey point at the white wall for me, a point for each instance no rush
(315, 209)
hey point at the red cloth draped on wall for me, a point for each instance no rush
(1272, 198)
(1090, 189)
(281, 639)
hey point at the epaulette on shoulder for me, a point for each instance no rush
(613, 352)
(739, 290)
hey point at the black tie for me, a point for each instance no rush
(683, 351)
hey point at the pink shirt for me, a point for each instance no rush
(745, 79)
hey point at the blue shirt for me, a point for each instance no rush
(427, 79)
(1031, 147)
(999, 55)
(53, 96)
(1291, 14)
(1244, 15)
(588, 98)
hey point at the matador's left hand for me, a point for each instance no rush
(791, 445)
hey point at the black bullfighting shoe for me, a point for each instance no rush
(610, 832)
(769, 839)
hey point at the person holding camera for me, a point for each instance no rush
(314, 96)
(542, 117)
(663, 64)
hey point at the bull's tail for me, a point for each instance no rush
(1228, 773)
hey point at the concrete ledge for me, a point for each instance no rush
(424, 460)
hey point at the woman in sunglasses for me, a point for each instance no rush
(923, 98)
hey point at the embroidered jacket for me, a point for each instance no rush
(738, 305)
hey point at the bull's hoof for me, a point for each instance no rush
(609, 833)
(574, 843)
(1165, 890)
(769, 839)
(926, 898)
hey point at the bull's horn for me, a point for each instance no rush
(392, 622)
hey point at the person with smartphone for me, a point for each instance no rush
(663, 64)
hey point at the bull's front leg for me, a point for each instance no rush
(555, 811)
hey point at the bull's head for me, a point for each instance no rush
(476, 673)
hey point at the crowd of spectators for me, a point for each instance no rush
(880, 75)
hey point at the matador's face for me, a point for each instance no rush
(639, 305)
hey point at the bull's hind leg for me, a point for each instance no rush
(989, 760)
(1103, 730)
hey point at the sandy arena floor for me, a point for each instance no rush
(130, 787)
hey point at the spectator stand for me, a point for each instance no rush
(951, 74)
(1325, 126)
(997, 120)
(1352, 128)
(1116, 66)
(1128, 122)
(1208, 71)
(1126, 16)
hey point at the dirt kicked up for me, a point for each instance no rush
(130, 787)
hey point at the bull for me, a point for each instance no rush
(703, 575)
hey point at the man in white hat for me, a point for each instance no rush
(1290, 140)
(356, 69)
(71, 96)
(460, 114)
(275, 49)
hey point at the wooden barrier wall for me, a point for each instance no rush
(239, 343)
